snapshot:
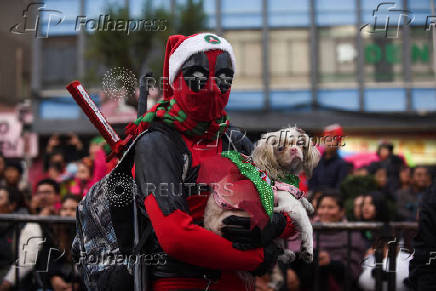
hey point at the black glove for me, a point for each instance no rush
(237, 230)
(270, 255)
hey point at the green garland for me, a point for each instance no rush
(291, 179)
(252, 173)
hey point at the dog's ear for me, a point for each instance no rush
(263, 154)
(311, 159)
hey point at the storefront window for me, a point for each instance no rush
(289, 55)
(383, 59)
(337, 54)
(421, 55)
(247, 46)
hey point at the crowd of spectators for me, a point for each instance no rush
(53, 185)
(382, 191)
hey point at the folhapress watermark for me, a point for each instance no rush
(388, 19)
(108, 258)
(106, 23)
(40, 20)
(30, 252)
(432, 257)
(32, 20)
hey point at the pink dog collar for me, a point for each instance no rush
(280, 186)
(221, 202)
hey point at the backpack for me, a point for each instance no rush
(109, 211)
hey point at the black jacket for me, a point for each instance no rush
(329, 173)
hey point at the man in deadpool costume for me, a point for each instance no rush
(185, 129)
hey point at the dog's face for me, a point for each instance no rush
(289, 151)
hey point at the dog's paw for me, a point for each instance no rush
(288, 256)
(307, 205)
(306, 256)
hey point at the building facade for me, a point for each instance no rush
(368, 65)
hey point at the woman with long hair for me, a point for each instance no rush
(61, 273)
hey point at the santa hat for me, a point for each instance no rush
(336, 131)
(333, 130)
(180, 48)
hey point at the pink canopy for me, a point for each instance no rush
(362, 159)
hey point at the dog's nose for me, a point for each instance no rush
(293, 150)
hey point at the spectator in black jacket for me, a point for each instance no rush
(409, 199)
(422, 268)
(332, 169)
(405, 178)
(392, 163)
(382, 182)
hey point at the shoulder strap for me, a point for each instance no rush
(144, 238)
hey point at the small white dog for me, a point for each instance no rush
(280, 153)
(284, 152)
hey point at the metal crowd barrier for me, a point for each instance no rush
(16, 219)
(349, 227)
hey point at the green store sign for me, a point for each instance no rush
(391, 53)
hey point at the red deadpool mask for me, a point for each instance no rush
(202, 86)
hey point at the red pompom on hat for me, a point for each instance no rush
(180, 48)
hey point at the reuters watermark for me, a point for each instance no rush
(188, 189)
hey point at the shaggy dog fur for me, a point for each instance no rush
(290, 151)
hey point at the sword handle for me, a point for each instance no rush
(97, 118)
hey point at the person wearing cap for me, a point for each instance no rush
(185, 128)
(332, 169)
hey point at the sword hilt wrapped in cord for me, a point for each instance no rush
(97, 118)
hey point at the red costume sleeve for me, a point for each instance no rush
(289, 228)
(190, 243)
